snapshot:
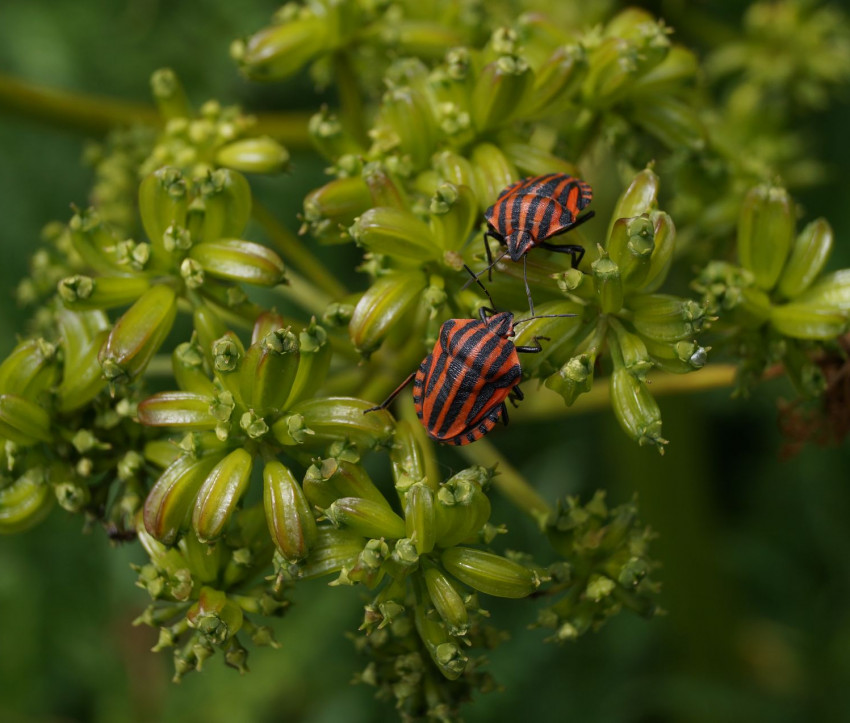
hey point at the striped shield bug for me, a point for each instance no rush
(534, 210)
(461, 387)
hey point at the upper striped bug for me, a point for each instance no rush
(531, 211)
(461, 387)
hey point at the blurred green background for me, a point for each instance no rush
(755, 550)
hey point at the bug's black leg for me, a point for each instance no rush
(504, 414)
(489, 256)
(517, 392)
(393, 395)
(577, 252)
(525, 281)
(533, 349)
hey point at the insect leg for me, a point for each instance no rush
(525, 280)
(577, 252)
(504, 414)
(393, 395)
(533, 349)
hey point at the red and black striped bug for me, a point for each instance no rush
(460, 388)
(531, 211)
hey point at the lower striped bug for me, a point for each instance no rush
(461, 387)
(530, 212)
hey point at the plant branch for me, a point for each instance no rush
(351, 103)
(295, 251)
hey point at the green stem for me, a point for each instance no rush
(546, 404)
(296, 252)
(304, 294)
(75, 111)
(289, 128)
(351, 103)
(508, 481)
(160, 366)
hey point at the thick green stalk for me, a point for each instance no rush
(351, 103)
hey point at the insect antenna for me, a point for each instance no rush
(543, 316)
(478, 281)
(483, 271)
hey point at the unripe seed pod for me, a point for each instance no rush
(608, 283)
(765, 233)
(182, 410)
(385, 191)
(395, 232)
(30, 370)
(168, 504)
(94, 243)
(666, 318)
(563, 333)
(329, 137)
(453, 168)
(331, 479)
(209, 328)
(25, 502)
(334, 206)
(313, 365)
(412, 460)
(420, 517)
(672, 121)
(630, 246)
(573, 379)
(454, 210)
(254, 155)
(365, 517)
(226, 198)
(290, 520)
(632, 349)
(492, 171)
(215, 616)
(187, 363)
(612, 68)
(227, 357)
(265, 323)
(499, 91)
(447, 655)
(383, 306)
(808, 256)
(83, 292)
(640, 197)
(679, 357)
(171, 100)
(831, 291)
(447, 601)
(664, 239)
(268, 370)
(22, 421)
(138, 334)
(240, 261)
(533, 161)
(278, 51)
(461, 508)
(334, 550)
(406, 114)
(336, 419)
(805, 321)
(636, 409)
(82, 377)
(556, 82)
(163, 202)
(677, 70)
(220, 493)
(489, 573)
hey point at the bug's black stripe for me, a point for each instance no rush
(452, 354)
(446, 331)
(463, 387)
(516, 210)
(495, 381)
(545, 226)
(548, 189)
(435, 369)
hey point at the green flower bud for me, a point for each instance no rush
(454, 211)
(489, 573)
(500, 91)
(227, 202)
(168, 504)
(328, 480)
(556, 82)
(254, 155)
(30, 370)
(72, 496)
(187, 363)
(290, 520)
(664, 239)
(630, 246)
(805, 321)
(672, 121)
(220, 493)
(240, 261)
(573, 379)
(183, 410)
(278, 51)
(235, 656)
(334, 550)
(666, 318)
(420, 517)
(396, 233)
(171, 100)
(215, 616)
(447, 601)
(22, 421)
(334, 206)
(315, 361)
(808, 256)
(138, 334)
(83, 292)
(365, 517)
(25, 502)
(765, 233)
(268, 370)
(192, 274)
(636, 409)
(446, 654)
(631, 348)
(383, 306)
(492, 173)
(330, 137)
(608, 283)
(163, 202)
(253, 425)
